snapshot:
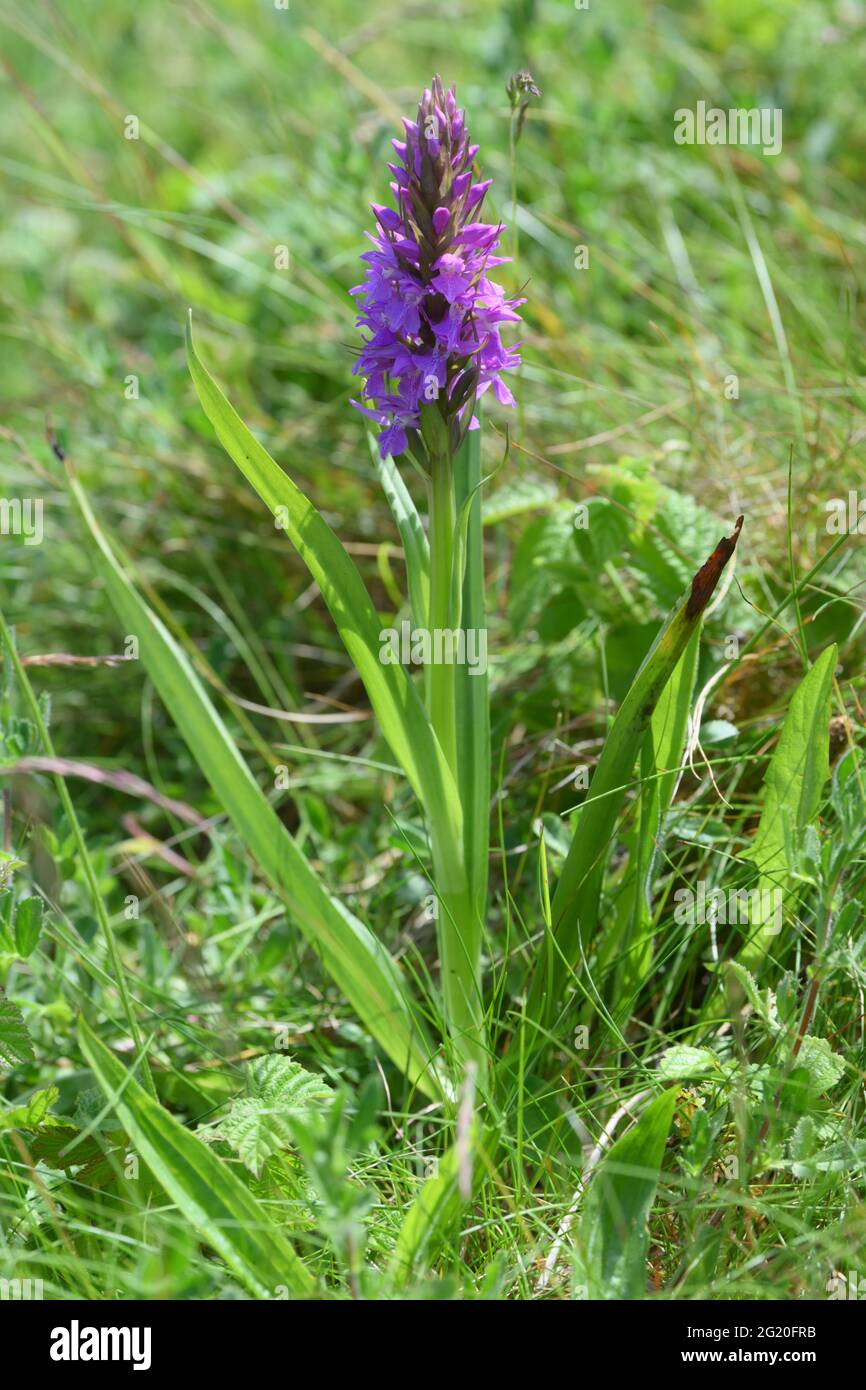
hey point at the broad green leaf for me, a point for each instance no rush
(661, 755)
(472, 685)
(205, 1190)
(34, 1114)
(793, 788)
(825, 1067)
(28, 925)
(575, 903)
(16, 1044)
(257, 1124)
(612, 1235)
(681, 1061)
(360, 965)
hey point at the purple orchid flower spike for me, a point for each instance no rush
(432, 313)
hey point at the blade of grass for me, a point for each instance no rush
(206, 1191)
(416, 550)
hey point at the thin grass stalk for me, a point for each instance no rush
(86, 864)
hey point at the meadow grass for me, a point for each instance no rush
(692, 353)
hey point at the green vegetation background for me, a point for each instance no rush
(258, 129)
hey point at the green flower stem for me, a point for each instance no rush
(458, 932)
(441, 687)
(458, 923)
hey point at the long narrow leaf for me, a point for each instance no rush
(398, 707)
(793, 787)
(416, 550)
(661, 754)
(472, 685)
(428, 1222)
(207, 1193)
(360, 965)
(434, 1214)
(612, 1235)
(575, 903)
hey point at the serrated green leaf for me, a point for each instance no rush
(16, 1044)
(56, 1146)
(258, 1125)
(825, 1067)
(34, 1113)
(280, 1080)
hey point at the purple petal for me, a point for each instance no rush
(476, 193)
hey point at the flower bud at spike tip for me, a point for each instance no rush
(521, 88)
(432, 314)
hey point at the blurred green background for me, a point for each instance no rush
(260, 135)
